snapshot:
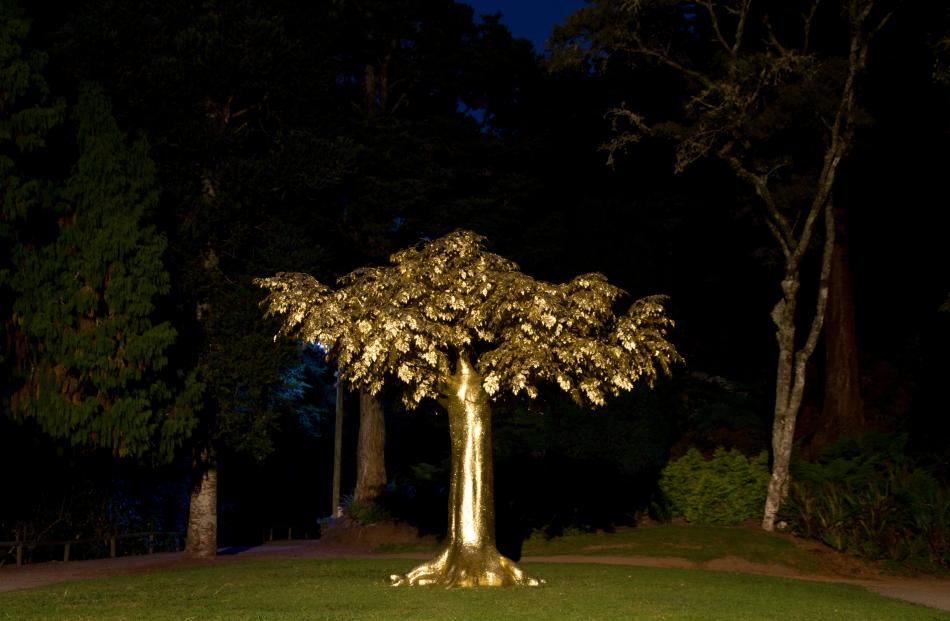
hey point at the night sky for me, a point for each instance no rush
(531, 19)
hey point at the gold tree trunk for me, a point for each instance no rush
(470, 557)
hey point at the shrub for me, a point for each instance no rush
(866, 497)
(726, 489)
(364, 512)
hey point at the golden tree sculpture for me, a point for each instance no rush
(461, 325)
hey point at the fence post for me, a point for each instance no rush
(151, 549)
(19, 554)
(112, 546)
(66, 552)
(290, 533)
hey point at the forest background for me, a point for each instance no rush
(159, 156)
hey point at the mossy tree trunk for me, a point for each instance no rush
(470, 557)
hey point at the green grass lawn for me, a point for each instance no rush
(320, 589)
(693, 542)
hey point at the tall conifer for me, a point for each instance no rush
(85, 274)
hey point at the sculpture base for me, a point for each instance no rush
(464, 566)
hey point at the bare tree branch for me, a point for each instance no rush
(809, 18)
(740, 27)
(664, 58)
(714, 21)
(818, 320)
(778, 224)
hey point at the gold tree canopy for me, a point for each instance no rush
(450, 298)
(444, 303)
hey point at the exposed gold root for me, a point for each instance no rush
(461, 567)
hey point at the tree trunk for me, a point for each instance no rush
(470, 557)
(369, 88)
(783, 425)
(790, 375)
(843, 410)
(201, 541)
(370, 450)
(337, 451)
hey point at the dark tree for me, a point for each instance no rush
(84, 272)
(234, 103)
(773, 98)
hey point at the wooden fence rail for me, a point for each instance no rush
(16, 547)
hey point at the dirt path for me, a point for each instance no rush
(933, 592)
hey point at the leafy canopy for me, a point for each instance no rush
(450, 298)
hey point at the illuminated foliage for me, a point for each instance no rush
(447, 297)
(428, 315)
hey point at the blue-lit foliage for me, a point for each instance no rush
(306, 388)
